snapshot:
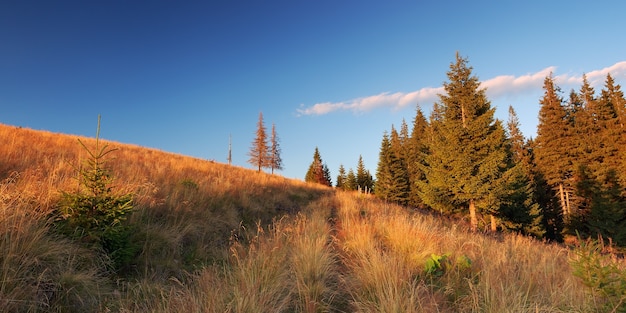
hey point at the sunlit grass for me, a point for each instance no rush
(219, 238)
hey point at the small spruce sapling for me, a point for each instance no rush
(95, 215)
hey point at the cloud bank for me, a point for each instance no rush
(497, 87)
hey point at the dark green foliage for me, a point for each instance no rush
(94, 214)
(603, 212)
(391, 176)
(550, 208)
(318, 172)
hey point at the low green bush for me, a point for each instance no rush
(605, 277)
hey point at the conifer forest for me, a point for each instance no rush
(460, 161)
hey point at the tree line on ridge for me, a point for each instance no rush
(461, 161)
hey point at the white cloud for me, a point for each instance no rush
(497, 87)
(598, 77)
(508, 85)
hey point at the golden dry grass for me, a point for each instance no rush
(218, 238)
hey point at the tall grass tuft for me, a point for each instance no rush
(41, 272)
(259, 279)
(314, 262)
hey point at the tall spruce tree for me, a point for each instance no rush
(417, 150)
(606, 215)
(275, 160)
(520, 210)
(383, 174)
(581, 108)
(397, 163)
(601, 207)
(612, 93)
(555, 146)
(259, 151)
(391, 178)
(612, 134)
(342, 177)
(318, 171)
(364, 180)
(433, 188)
(351, 183)
(467, 153)
(552, 213)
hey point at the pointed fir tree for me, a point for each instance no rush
(417, 150)
(611, 135)
(275, 160)
(581, 108)
(554, 147)
(95, 215)
(585, 124)
(552, 213)
(342, 177)
(613, 94)
(259, 151)
(383, 173)
(433, 189)
(327, 180)
(351, 183)
(398, 164)
(315, 169)
(391, 178)
(364, 180)
(520, 210)
(468, 155)
(318, 171)
(404, 137)
(598, 207)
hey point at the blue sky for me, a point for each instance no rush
(181, 76)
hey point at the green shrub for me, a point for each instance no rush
(605, 277)
(437, 265)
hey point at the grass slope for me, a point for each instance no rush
(218, 238)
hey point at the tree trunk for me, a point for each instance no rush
(494, 227)
(473, 218)
(563, 203)
(567, 204)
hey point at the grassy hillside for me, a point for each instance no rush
(218, 238)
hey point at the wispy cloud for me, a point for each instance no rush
(595, 78)
(395, 100)
(499, 86)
